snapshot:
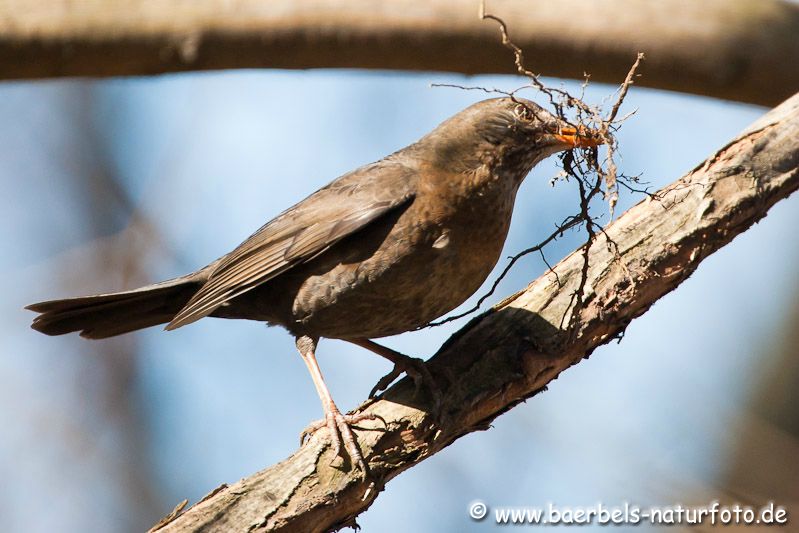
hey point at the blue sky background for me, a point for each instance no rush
(109, 435)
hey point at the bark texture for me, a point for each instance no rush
(511, 353)
(744, 50)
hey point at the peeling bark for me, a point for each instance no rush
(749, 48)
(509, 354)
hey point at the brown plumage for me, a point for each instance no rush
(379, 251)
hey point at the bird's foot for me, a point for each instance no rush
(417, 370)
(340, 430)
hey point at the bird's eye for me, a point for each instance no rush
(523, 112)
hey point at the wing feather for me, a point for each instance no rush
(301, 233)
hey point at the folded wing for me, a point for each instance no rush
(302, 232)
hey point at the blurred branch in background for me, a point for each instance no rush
(510, 354)
(748, 47)
(770, 429)
(116, 263)
(92, 422)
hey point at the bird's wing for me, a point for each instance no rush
(302, 232)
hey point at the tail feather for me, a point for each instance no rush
(107, 315)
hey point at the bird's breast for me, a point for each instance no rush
(433, 257)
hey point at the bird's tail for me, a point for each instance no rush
(107, 315)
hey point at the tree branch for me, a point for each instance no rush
(748, 47)
(509, 354)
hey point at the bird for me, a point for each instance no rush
(379, 251)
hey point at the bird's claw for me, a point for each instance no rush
(339, 428)
(417, 370)
(385, 381)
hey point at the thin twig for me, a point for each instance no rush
(590, 178)
(567, 224)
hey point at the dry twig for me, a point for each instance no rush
(580, 165)
(504, 358)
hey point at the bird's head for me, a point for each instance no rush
(507, 135)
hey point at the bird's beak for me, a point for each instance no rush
(580, 137)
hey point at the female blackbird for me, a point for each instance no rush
(379, 251)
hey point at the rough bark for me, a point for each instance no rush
(511, 353)
(743, 50)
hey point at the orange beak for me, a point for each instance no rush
(581, 137)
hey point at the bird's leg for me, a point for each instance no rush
(337, 424)
(415, 368)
